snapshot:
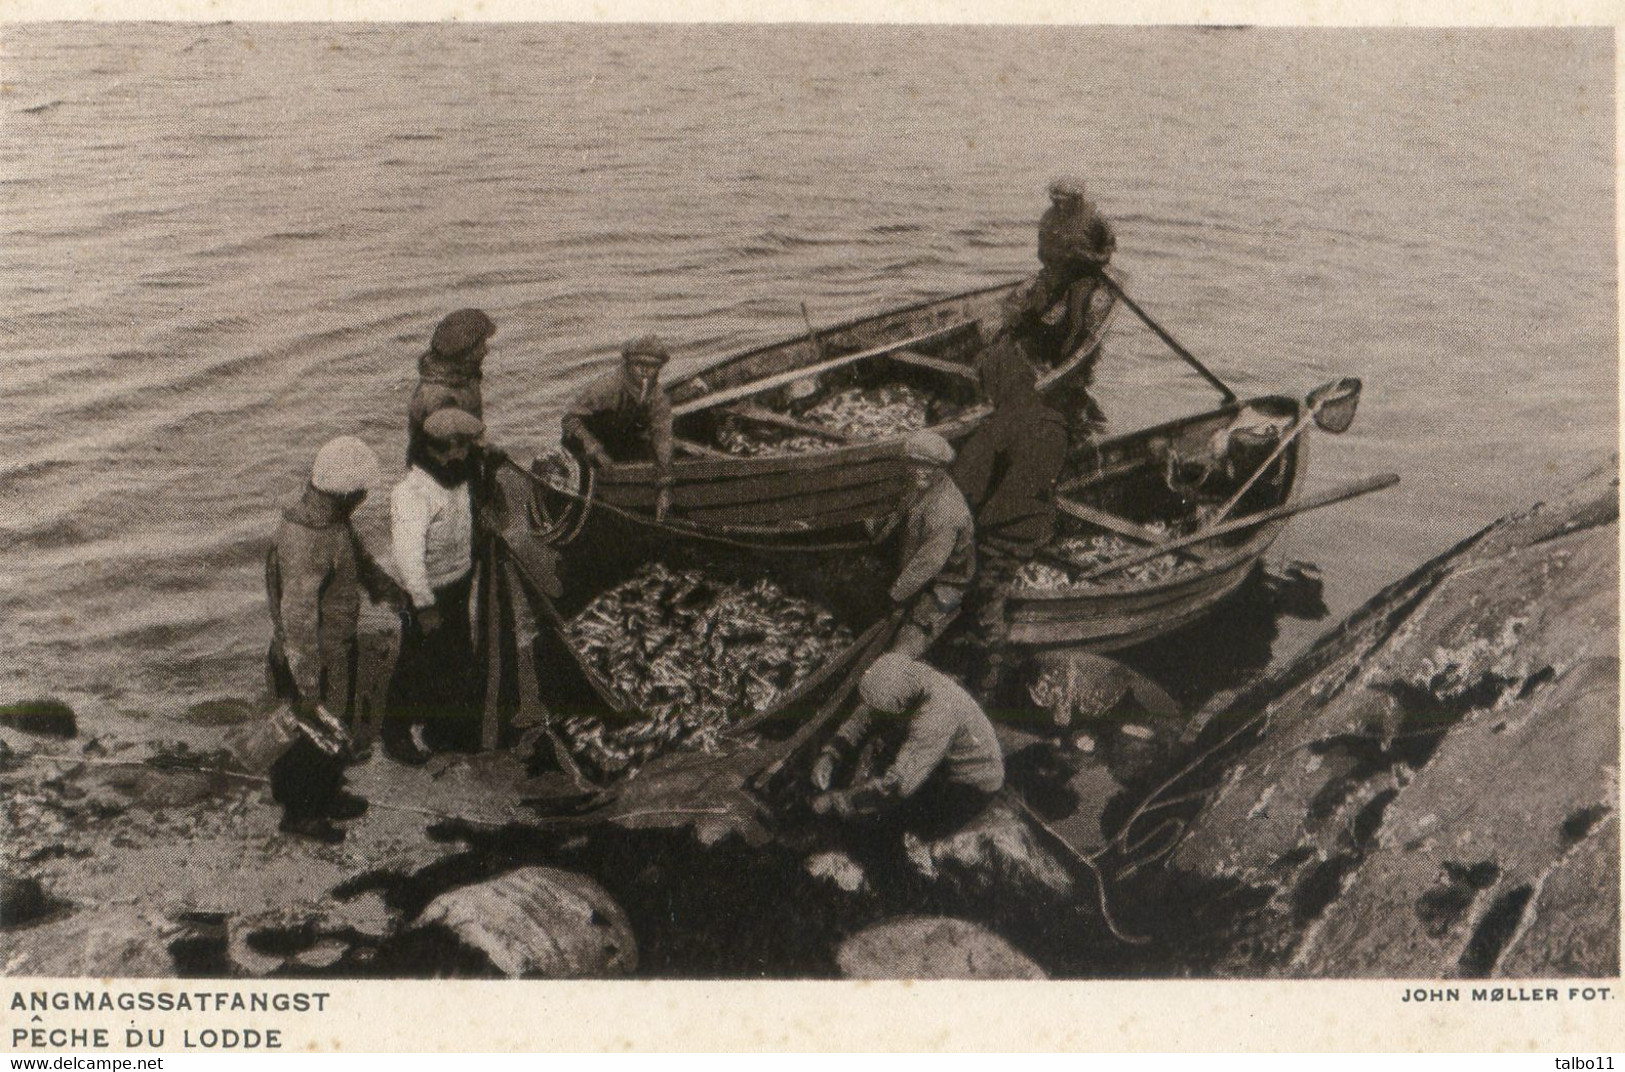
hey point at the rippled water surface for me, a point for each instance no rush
(223, 244)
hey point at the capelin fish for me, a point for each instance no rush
(881, 412)
(725, 651)
(1087, 553)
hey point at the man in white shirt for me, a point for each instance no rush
(431, 703)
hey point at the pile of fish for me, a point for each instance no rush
(689, 655)
(890, 409)
(1088, 552)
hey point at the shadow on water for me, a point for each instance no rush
(1234, 644)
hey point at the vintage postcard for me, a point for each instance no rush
(1110, 517)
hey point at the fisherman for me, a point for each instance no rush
(938, 545)
(431, 694)
(1007, 472)
(451, 371)
(625, 415)
(1050, 316)
(947, 765)
(313, 577)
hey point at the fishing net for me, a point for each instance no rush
(861, 413)
(690, 655)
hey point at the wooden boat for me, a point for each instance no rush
(1245, 461)
(1167, 476)
(932, 346)
(1148, 486)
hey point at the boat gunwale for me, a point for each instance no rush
(847, 325)
(747, 466)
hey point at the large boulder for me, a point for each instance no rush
(538, 923)
(1430, 791)
(932, 947)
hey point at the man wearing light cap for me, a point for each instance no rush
(947, 766)
(938, 545)
(451, 371)
(313, 577)
(430, 696)
(1051, 314)
(625, 416)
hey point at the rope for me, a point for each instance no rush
(1089, 862)
(683, 530)
(384, 804)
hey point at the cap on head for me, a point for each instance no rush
(344, 466)
(461, 331)
(451, 425)
(891, 684)
(1066, 188)
(646, 350)
(928, 447)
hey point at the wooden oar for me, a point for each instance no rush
(1313, 502)
(1101, 519)
(767, 383)
(761, 415)
(1110, 472)
(1173, 343)
(935, 364)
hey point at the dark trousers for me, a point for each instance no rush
(305, 781)
(433, 683)
(939, 808)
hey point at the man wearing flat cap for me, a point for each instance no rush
(1051, 315)
(938, 545)
(431, 701)
(625, 416)
(946, 761)
(451, 370)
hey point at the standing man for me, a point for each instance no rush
(938, 554)
(431, 702)
(1050, 316)
(1007, 472)
(313, 578)
(625, 415)
(451, 372)
(947, 766)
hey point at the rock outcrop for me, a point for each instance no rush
(1431, 791)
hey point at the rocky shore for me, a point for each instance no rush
(1430, 791)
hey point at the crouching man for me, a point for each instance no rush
(947, 763)
(314, 576)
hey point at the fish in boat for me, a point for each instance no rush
(1146, 488)
(827, 464)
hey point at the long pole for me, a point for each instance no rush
(1173, 343)
(1313, 502)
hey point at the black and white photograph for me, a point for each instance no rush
(724, 501)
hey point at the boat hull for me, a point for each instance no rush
(1120, 614)
(793, 494)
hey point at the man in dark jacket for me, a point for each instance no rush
(625, 415)
(1007, 472)
(314, 577)
(451, 372)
